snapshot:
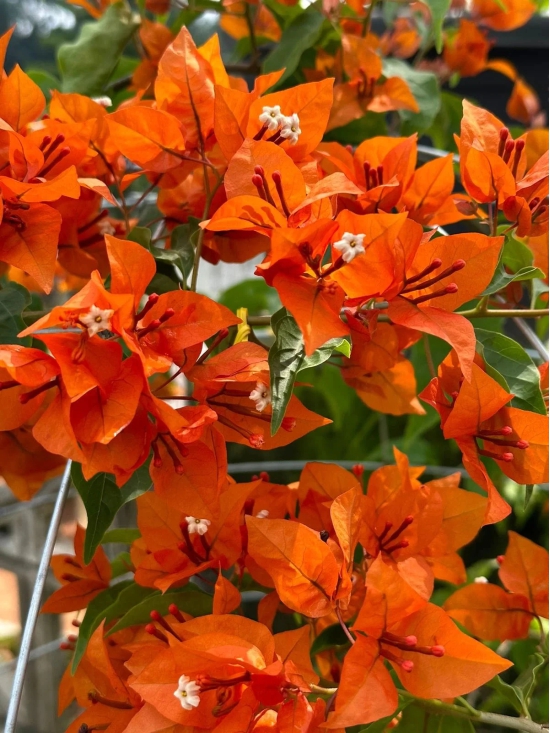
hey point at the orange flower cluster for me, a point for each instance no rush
(129, 373)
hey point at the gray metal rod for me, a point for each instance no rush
(34, 607)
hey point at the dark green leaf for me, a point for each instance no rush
(381, 726)
(446, 122)
(501, 278)
(518, 371)
(529, 488)
(182, 244)
(47, 82)
(416, 719)
(515, 254)
(125, 535)
(129, 598)
(14, 298)
(286, 358)
(137, 484)
(424, 86)
(191, 601)
(510, 693)
(87, 65)
(95, 613)
(121, 564)
(370, 125)
(300, 35)
(329, 638)
(102, 500)
(255, 295)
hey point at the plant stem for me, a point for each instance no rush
(478, 716)
(343, 625)
(367, 20)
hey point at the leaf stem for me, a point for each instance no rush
(478, 716)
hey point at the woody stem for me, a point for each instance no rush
(479, 716)
(198, 250)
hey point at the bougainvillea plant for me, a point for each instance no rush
(340, 601)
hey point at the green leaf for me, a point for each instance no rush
(529, 488)
(381, 726)
(517, 370)
(332, 636)
(286, 358)
(102, 500)
(255, 295)
(370, 125)
(137, 484)
(501, 278)
(438, 9)
(191, 601)
(141, 235)
(424, 86)
(95, 613)
(125, 535)
(121, 564)
(510, 693)
(129, 598)
(446, 122)
(182, 244)
(46, 81)
(515, 254)
(14, 298)
(87, 64)
(416, 719)
(301, 34)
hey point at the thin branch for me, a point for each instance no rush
(343, 625)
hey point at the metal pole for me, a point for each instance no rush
(34, 607)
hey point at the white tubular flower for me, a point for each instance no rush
(103, 101)
(271, 117)
(350, 246)
(262, 514)
(260, 396)
(187, 693)
(97, 320)
(199, 526)
(290, 128)
(481, 579)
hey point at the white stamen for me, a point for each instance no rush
(187, 693)
(290, 128)
(97, 320)
(199, 526)
(271, 117)
(481, 579)
(262, 514)
(260, 396)
(350, 246)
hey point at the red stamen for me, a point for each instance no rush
(401, 641)
(402, 527)
(434, 265)
(520, 144)
(151, 300)
(9, 384)
(62, 154)
(151, 327)
(70, 578)
(288, 424)
(56, 143)
(506, 430)
(261, 132)
(258, 182)
(366, 168)
(278, 181)
(152, 629)
(503, 137)
(508, 149)
(93, 239)
(373, 178)
(521, 444)
(399, 546)
(76, 622)
(46, 140)
(448, 290)
(66, 647)
(534, 203)
(157, 460)
(178, 466)
(176, 613)
(28, 396)
(264, 475)
(387, 528)
(155, 616)
(458, 265)
(405, 664)
(506, 457)
(95, 697)
(380, 174)
(222, 334)
(358, 470)
(500, 559)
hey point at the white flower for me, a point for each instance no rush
(103, 101)
(262, 514)
(481, 579)
(350, 246)
(290, 128)
(97, 320)
(105, 227)
(187, 693)
(271, 117)
(260, 396)
(200, 526)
